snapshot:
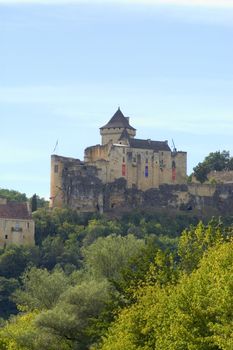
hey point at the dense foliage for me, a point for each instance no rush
(214, 161)
(143, 281)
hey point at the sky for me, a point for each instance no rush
(66, 66)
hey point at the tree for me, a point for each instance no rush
(75, 319)
(7, 287)
(12, 195)
(41, 289)
(197, 313)
(214, 161)
(196, 240)
(15, 259)
(34, 202)
(107, 257)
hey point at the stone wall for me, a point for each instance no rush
(16, 231)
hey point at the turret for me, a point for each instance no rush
(112, 131)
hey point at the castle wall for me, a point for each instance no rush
(58, 164)
(221, 176)
(94, 153)
(202, 190)
(180, 159)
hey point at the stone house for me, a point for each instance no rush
(16, 224)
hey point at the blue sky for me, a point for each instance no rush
(65, 67)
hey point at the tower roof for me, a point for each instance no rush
(118, 121)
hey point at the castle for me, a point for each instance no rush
(142, 164)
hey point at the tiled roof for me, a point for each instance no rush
(14, 210)
(118, 121)
(148, 144)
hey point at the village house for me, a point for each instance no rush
(16, 224)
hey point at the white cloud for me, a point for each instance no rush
(197, 3)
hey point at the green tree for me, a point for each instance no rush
(197, 313)
(75, 319)
(196, 240)
(41, 289)
(7, 287)
(15, 259)
(34, 202)
(107, 257)
(214, 161)
(13, 195)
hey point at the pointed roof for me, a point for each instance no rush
(118, 121)
(124, 135)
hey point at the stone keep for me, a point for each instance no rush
(143, 164)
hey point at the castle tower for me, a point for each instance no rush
(112, 131)
(57, 165)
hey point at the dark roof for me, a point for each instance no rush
(124, 135)
(14, 210)
(118, 121)
(148, 144)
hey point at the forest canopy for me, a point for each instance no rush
(143, 281)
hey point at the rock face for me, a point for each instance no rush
(89, 194)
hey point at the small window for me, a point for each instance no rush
(123, 159)
(28, 225)
(6, 236)
(56, 168)
(146, 160)
(124, 150)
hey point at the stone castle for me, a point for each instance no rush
(144, 164)
(126, 172)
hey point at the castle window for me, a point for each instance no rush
(28, 225)
(124, 150)
(56, 168)
(6, 236)
(146, 171)
(16, 228)
(123, 159)
(146, 160)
